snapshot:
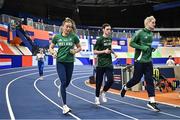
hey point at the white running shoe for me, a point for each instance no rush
(41, 78)
(97, 102)
(103, 97)
(66, 109)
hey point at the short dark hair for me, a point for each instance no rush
(105, 25)
(170, 56)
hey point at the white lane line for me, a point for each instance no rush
(79, 96)
(138, 106)
(144, 107)
(172, 115)
(138, 97)
(26, 70)
(98, 105)
(55, 81)
(117, 112)
(7, 69)
(104, 107)
(17, 72)
(7, 93)
(25, 67)
(74, 116)
(20, 71)
(128, 103)
(7, 88)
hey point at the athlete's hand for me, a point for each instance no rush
(144, 48)
(54, 54)
(107, 51)
(115, 55)
(153, 49)
(73, 51)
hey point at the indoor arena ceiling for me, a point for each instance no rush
(112, 3)
(116, 12)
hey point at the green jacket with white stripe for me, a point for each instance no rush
(142, 41)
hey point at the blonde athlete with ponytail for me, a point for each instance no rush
(66, 41)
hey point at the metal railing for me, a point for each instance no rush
(93, 31)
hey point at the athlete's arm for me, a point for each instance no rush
(78, 48)
(135, 42)
(51, 49)
(115, 55)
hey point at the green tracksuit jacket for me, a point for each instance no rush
(142, 41)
